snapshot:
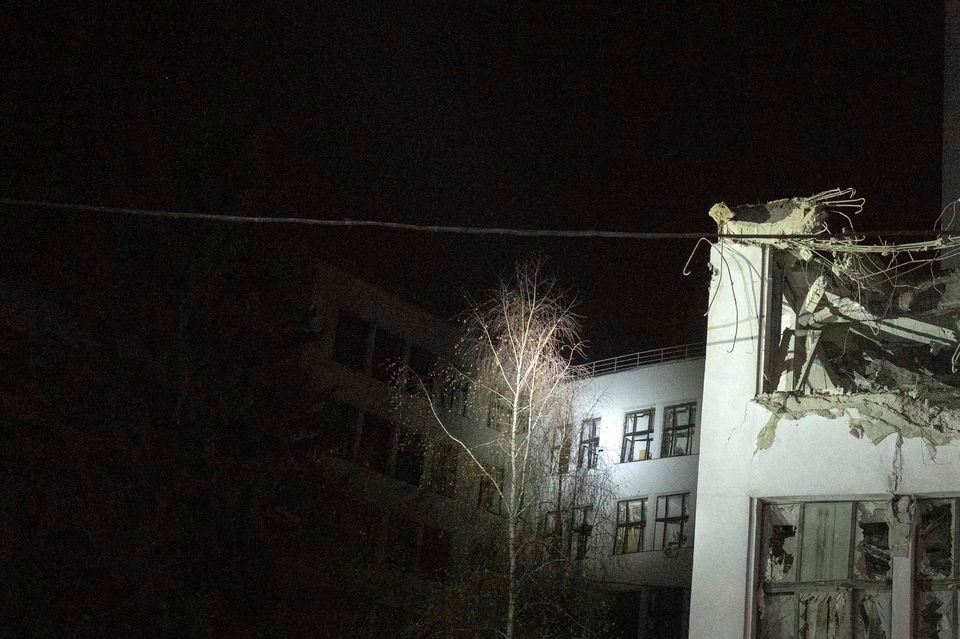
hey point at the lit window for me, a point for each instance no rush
(671, 521)
(679, 424)
(631, 522)
(589, 443)
(637, 436)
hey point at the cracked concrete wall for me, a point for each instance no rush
(821, 448)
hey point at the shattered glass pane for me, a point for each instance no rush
(872, 615)
(823, 615)
(935, 538)
(780, 541)
(871, 558)
(778, 617)
(935, 615)
(826, 541)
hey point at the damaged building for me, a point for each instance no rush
(829, 469)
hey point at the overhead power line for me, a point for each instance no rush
(463, 230)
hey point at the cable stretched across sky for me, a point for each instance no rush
(944, 237)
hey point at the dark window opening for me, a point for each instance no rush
(375, 443)
(387, 355)
(443, 473)
(423, 365)
(589, 443)
(489, 498)
(560, 451)
(435, 554)
(350, 341)
(338, 426)
(409, 457)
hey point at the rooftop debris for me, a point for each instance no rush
(866, 332)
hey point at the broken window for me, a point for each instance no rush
(871, 558)
(936, 569)
(376, 441)
(637, 436)
(671, 521)
(443, 469)
(679, 423)
(489, 498)
(387, 354)
(631, 522)
(589, 443)
(350, 341)
(825, 570)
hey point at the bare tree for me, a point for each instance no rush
(514, 366)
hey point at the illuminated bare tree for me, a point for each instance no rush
(515, 366)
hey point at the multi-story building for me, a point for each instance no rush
(828, 481)
(392, 524)
(639, 425)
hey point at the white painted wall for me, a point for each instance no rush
(610, 397)
(810, 458)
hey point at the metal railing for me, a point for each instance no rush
(643, 358)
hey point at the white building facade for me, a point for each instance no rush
(827, 512)
(639, 424)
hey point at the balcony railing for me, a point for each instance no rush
(643, 358)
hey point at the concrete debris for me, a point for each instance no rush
(935, 418)
(788, 216)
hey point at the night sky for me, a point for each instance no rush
(622, 118)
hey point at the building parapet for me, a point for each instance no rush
(643, 358)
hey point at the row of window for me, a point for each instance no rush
(367, 439)
(567, 533)
(393, 539)
(670, 523)
(826, 568)
(679, 428)
(377, 351)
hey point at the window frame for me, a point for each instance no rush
(620, 543)
(635, 436)
(589, 444)
(671, 433)
(796, 590)
(660, 541)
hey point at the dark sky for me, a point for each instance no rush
(619, 118)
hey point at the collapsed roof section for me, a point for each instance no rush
(870, 332)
